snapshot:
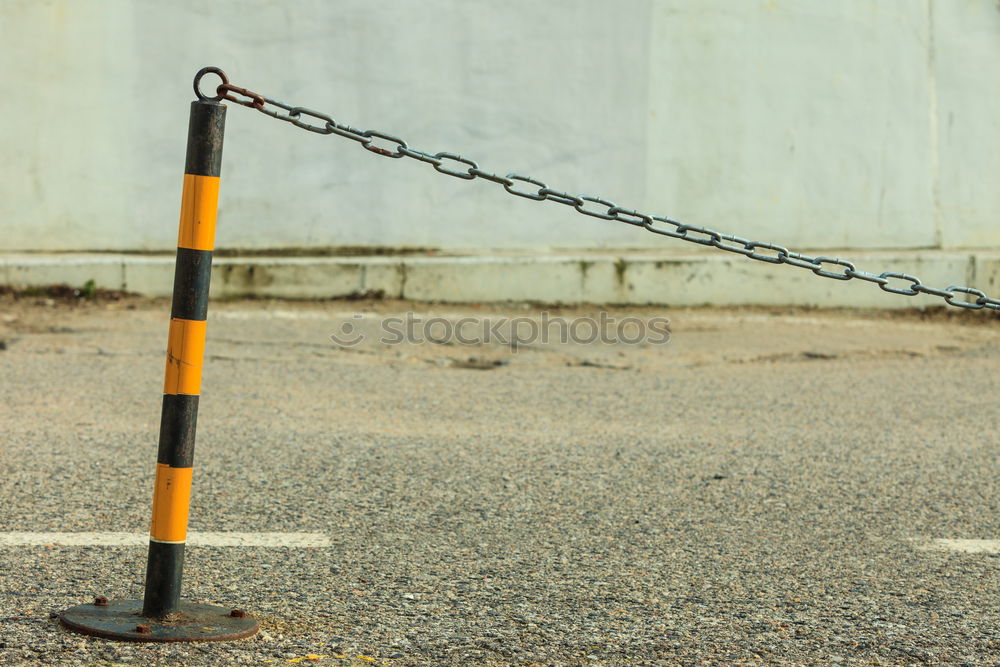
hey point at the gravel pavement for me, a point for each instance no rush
(764, 488)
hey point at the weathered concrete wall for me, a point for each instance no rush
(853, 124)
(599, 277)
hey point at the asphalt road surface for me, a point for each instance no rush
(769, 486)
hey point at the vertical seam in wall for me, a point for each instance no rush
(646, 105)
(932, 100)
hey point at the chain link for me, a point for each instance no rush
(453, 164)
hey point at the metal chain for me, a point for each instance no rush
(453, 164)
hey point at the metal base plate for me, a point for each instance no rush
(123, 619)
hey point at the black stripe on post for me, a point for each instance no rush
(204, 146)
(178, 420)
(192, 275)
(164, 569)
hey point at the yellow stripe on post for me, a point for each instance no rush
(199, 206)
(185, 354)
(171, 498)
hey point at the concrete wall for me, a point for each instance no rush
(857, 124)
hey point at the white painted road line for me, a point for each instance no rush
(291, 540)
(964, 546)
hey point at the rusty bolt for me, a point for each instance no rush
(142, 629)
(237, 613)
(100, 601)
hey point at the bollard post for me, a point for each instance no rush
(161, 616)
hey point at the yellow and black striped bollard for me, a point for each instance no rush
(161, 616)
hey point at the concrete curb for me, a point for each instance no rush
(625, 277)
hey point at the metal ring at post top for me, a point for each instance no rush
(197, 79)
